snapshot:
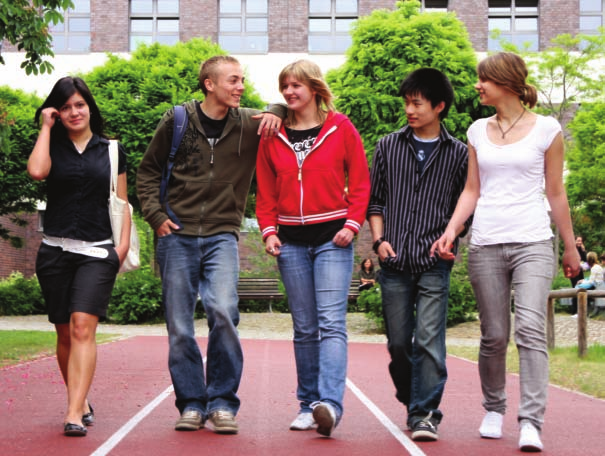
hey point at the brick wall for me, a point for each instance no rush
(198, 18)
(109, 26)
(557, 17)
(474, 15)
(288, 24)
(22, 259)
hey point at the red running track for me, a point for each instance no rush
(135, 411)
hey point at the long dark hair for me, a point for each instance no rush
(63, 89)
(363, 262)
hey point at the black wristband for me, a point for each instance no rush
(376, 244)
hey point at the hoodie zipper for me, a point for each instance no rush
(300, 165)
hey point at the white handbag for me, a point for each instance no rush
(116, 214)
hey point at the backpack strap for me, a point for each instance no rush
(180, 125)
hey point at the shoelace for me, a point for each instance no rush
(223, 415)
(427, 421)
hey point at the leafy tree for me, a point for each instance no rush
(386, 46)
(133, 93)
(564, 72)
(585, 181)
(17, 135)
(24, 23)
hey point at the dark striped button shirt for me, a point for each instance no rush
(416, 206)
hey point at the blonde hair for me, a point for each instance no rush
(309, 74)
(509, 70)
(209, 69)
(591, 258)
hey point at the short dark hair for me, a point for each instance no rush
(431, 84)
(63, 89)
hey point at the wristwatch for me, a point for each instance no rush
(376, 244)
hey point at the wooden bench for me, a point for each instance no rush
(268, 288)
(259, 288)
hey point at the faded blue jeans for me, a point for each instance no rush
(208, 266)
(415, 316)
(528, 268)
(317, 281)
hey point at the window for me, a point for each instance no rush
(244, 26)
(591, 16)
(154, 21)
(517, 22)
(430, 6)
(329, 25)
(73, 34)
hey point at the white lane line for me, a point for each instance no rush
(408, 444)
(131, 424)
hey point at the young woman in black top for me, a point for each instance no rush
(77, 262)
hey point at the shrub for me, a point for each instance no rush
(136, 298)
(21, 296)
(371, 301)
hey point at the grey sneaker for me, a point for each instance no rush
(224, 422)
(425, 430)
(190, 420)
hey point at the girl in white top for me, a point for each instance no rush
(515, 157)
(596, 273)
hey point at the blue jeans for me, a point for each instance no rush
(208, 266)
(528, 269)
(415, 316)
(317, 281)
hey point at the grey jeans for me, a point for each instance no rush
(528, 269)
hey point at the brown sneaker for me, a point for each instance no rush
(224, 422)
(190, 420)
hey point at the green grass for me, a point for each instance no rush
(20, 346)
(586, 375)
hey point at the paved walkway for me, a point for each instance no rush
(278, 326)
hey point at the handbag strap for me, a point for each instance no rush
(113, 160)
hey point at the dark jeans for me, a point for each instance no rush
(415, 316)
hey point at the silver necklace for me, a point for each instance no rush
(512, 125)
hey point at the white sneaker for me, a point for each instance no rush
(491, 426)
(303, 422)
(325, 417)
(529, 438)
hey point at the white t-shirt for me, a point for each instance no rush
(511, 205)
(596, 274)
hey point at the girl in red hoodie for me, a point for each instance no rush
(313, 192)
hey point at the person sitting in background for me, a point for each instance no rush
(367, 275)
(596, 273)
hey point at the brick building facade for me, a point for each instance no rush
(288, 21)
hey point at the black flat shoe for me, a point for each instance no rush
(88, 419)
(74, 430)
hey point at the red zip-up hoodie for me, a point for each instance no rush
(333, 181)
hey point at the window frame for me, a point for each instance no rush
(334, 36)
(591, 14)
(246, 38)
(155, 17)
(514, 35)
(434, 9)
(62, 31)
